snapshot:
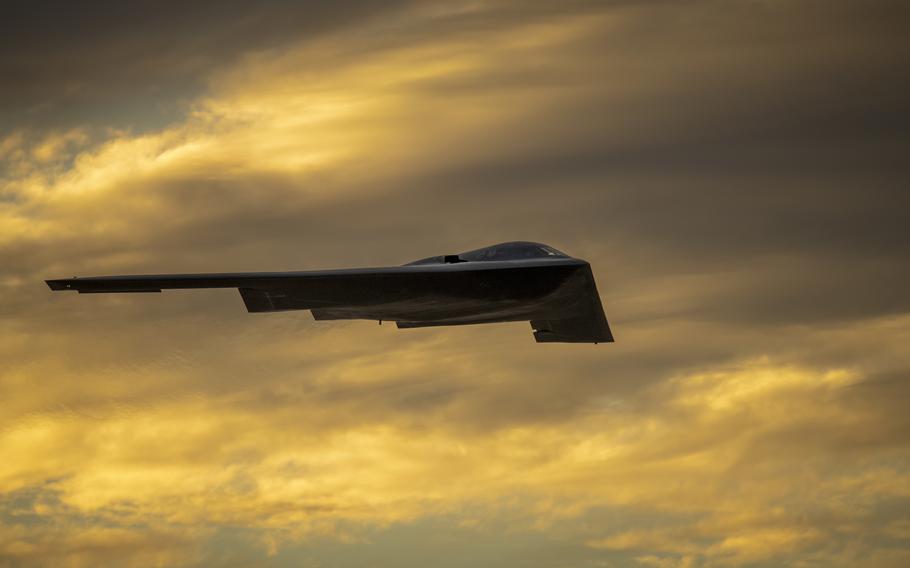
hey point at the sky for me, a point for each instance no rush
(735, 172)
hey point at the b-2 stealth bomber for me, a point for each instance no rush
(515, 281)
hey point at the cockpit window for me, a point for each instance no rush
(551, 251)
(512, 251)
(518, 250)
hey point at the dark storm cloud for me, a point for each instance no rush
(127, 65)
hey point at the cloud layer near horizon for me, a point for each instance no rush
(735, 173)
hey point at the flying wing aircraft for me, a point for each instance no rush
(515, 281)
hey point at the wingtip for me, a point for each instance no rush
(58, 284)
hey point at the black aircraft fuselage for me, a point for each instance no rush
(517, 281)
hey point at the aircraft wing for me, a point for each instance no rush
(581, 329)
(262, 291)
(587, 324)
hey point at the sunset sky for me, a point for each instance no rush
(736, 172)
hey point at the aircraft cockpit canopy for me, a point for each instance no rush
(517, 250)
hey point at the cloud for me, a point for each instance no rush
(716, 449)
(134, 67)
(733, 175)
